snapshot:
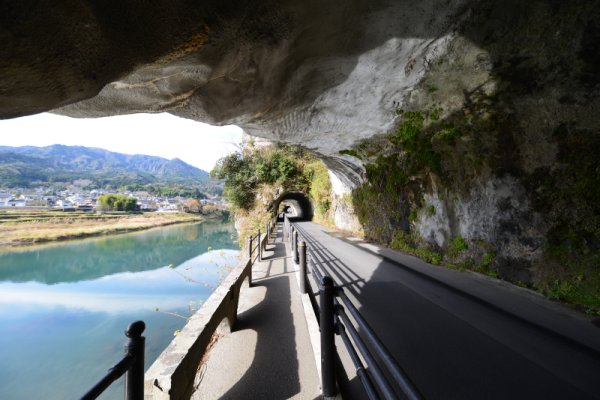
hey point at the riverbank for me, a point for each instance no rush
(22, 228)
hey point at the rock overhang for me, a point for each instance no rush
(323, 75)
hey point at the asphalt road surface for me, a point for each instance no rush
(460, 335)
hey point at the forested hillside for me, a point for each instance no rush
(31, 166)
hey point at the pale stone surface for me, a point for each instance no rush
(434, 224)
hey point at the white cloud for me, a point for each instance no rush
(162, 135)
(167, 288)
(102, 302)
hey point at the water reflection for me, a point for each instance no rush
(63, 307)
(123, 292)
(93, 258)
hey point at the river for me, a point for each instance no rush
(64, 307)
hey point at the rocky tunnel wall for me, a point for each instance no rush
(303, 209)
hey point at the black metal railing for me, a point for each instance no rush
(254, 247)
(132, 366)
(382, 377)
(258, 242)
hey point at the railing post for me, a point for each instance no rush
(259, 248)
(296, 247)
(250, 247)
(327, 338)
(134, 377)
(302, 267)
(292, 239)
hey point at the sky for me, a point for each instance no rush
(162, 135)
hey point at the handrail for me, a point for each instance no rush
(132, 365)
(392, 366)
(252, 248)
(377, 373)
(358, 365)
(359, 344)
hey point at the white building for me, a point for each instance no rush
(4, 197)
(63, 203)
(15, 203)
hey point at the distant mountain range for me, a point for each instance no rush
(33, 166)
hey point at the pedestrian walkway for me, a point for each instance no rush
(269, 354)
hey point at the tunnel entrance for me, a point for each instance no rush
(296, 205)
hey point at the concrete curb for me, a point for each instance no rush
(312, 324)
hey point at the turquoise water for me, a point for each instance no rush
(64, 307)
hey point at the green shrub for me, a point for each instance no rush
(320, 188)
(350, 152)
(459, 245)
(487, 260)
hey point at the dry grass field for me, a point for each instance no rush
(24, 227)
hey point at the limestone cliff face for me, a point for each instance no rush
(508, 95)
(517, 93)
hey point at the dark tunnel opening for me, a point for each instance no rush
(296, 205)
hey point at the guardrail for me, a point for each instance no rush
(260, 246)
(358, 337)
(132, 366)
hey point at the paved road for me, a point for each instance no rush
(459, 335)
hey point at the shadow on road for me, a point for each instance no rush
(451, 347)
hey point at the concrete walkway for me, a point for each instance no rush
(269, 355)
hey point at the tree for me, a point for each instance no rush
(243, 172)
(117, 202)
(191, 206)
(240, 180)
(198, 195)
